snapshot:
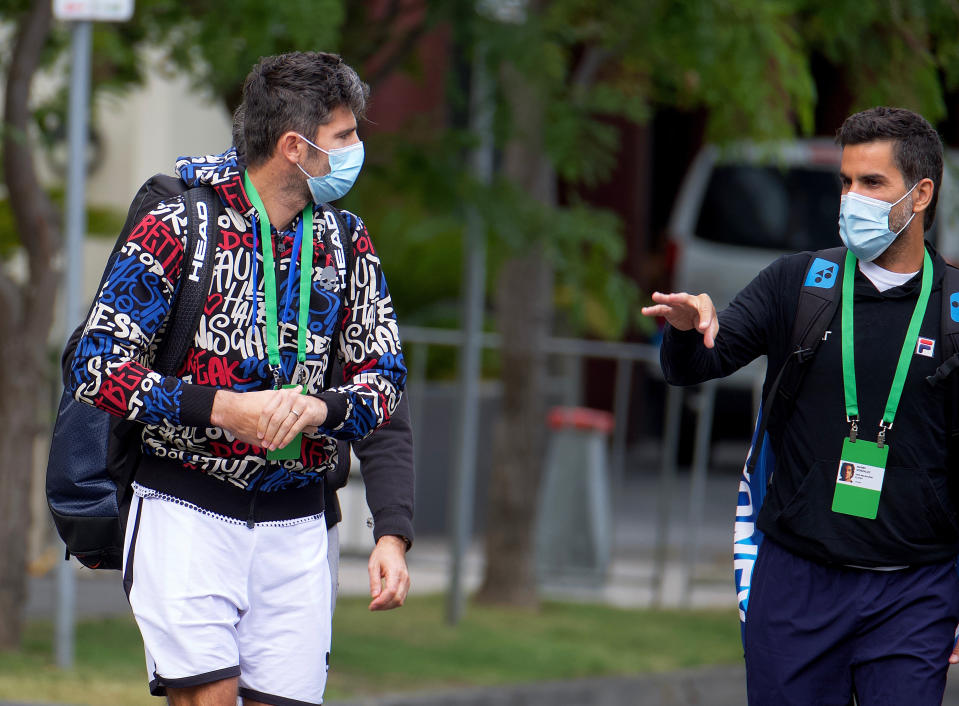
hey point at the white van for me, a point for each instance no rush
(743, 205)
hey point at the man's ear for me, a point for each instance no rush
(289, 147)
(922, 195)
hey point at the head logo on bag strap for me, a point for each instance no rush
(338, 241)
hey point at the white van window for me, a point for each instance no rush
(787, 209)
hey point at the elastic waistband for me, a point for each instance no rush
(223, 498)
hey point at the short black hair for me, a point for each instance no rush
(916, 149)
(296, 91)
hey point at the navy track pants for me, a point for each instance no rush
(816, 635)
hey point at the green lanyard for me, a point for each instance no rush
(269, 280)
(905, 357)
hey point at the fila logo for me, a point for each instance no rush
(197, 265)
(925, 346)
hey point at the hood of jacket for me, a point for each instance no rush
(223, 172)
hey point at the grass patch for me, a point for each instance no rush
(110, 667)
(409, 649)
(413, 648)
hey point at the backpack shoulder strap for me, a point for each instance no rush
(202, 208)
(949, 337)
(154, 190)
(949, 328)
(818, 300)
(338, 241)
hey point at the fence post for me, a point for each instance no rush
(621, 395)
(667, 482)
(697, 485)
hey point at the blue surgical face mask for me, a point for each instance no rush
(345, 165)
(864, 224)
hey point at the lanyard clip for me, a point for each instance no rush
(853, 427)
(883, 428)
(277, 377)
(299, 375)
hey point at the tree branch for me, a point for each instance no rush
(399, 54)
(9, 305)
(584, 75)
(366, 35)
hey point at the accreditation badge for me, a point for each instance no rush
(291, 451)
(862, 467)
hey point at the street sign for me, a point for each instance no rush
(93, 10)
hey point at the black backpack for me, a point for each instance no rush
(94, 455)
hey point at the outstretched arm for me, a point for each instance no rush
(700, 344)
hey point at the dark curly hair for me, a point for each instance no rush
(916, 150)
(295, 91)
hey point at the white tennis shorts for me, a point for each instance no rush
(214, 599)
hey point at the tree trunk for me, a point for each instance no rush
(26, 314)
(523, 308)
(524, 292)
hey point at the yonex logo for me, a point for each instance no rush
(925, 346)
(822, 274)
(954, 306)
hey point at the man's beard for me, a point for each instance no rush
(296, 189)
(898, 221)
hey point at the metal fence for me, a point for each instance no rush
(418, 341)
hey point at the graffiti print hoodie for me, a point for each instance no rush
(185, 458)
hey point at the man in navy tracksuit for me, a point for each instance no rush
(855, 588)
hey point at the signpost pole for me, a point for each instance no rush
(81, 13)
(75, 227)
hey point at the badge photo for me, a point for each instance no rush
(859, 477)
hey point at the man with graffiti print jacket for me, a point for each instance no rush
(854, 592)
(226, 548)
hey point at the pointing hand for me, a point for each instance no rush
(687, 311)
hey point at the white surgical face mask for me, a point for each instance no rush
(345, 165)
(864, 224)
